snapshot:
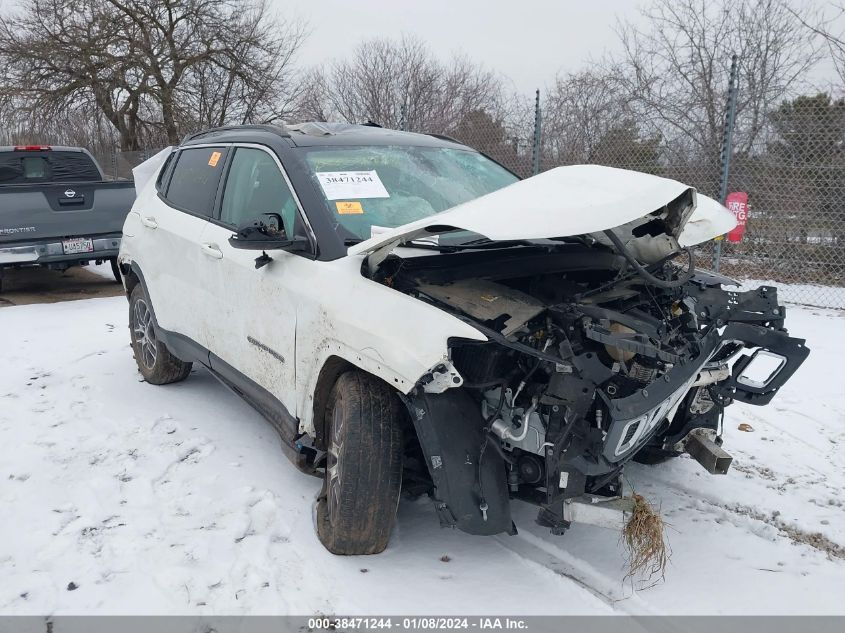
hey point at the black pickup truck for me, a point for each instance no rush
(57, 209)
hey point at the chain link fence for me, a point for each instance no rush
(118, 165)
(794, 178)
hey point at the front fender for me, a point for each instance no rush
(371, 326)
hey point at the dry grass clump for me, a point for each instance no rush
(645, 541)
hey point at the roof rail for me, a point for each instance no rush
(279, 130)
(444, 137)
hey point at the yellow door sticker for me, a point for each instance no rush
(215, 156)
(349, 208)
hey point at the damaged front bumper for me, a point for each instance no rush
(473, 477)
(636, 416)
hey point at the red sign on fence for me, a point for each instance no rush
(737, 203)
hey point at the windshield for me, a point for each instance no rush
(368, 188)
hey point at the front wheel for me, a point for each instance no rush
(356, 511)
(155, 362)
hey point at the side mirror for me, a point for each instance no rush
(266, 233)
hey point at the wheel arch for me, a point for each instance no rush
(332, 368)
(131, 278)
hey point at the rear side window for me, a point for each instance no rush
(24, 166)
(164, 172)
(193, 185)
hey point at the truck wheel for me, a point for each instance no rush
(356, 510)
(155, 362)
(115, 270)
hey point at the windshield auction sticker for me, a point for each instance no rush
(342, 185)
(349, 208)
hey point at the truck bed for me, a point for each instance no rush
(58, 217)
(43, 211)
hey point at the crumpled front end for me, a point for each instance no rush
(580, 374)
(604, 343)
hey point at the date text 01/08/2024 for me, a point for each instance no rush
(417, 623)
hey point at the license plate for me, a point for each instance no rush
(78, 245)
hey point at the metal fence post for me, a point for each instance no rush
(403, 117)
(535, 150)
(727, 148)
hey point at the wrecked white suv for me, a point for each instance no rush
(410, 315)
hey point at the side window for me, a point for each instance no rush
(256, 186)
(196, 175)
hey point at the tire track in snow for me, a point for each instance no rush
(733, 511)
(534, 549)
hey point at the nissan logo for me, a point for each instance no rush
(70, 193)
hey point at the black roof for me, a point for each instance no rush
(321, 133)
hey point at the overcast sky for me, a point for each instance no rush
(527, 40)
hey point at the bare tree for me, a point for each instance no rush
(148, 65)
(823, 24)
(675, 69)
(314, 102)
(214, 61)
(58, 56)
(402, 84)
(578, 111)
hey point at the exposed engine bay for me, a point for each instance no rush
(592, 360)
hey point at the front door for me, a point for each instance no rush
(254, 325)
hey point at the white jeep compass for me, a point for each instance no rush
(412, 316)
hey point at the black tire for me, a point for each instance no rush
(115, 270)
(155, 362)
(356, 511)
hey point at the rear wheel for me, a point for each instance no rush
(356, 511)
(155, 362)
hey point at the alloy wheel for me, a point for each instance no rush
(144, 333)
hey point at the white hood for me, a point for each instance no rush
(564, 202)
(709, 219)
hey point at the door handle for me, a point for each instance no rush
(212, 250)
(149, 222)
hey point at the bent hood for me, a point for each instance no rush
(570, 201)
(709, 219)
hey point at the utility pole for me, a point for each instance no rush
(535, 150)
(727, 148)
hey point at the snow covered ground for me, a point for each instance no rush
(120, 497)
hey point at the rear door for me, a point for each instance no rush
(167, 239)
